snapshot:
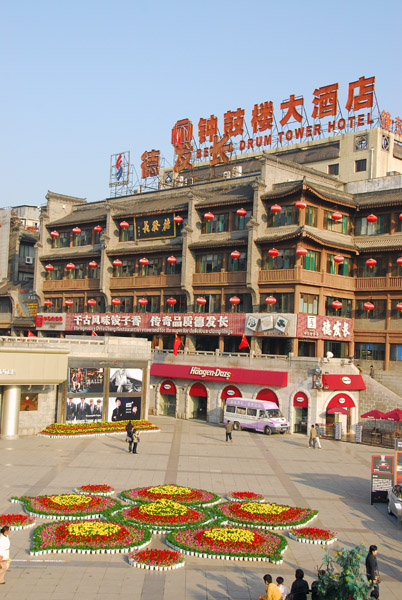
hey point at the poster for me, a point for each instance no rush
(85, 381)
(382, 477)
(28, 402)
(83, 409)
(125, 380)
(123, 408)
(398, 461)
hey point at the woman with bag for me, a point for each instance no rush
(136, 439)
(129, 438)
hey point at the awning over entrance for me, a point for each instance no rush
(198, 389)
(268, 395)
(343, 382)
(167, 387)
(231, 391)
(341, 400)
(300, 400)
(223, 374)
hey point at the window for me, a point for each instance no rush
(360, 165)
(289, 215)
(334, 268)
(333, 169)
(396, 352)
(175, 268)
(240, 410)
(245, 304)
(77, 273)
(237, 264)
(284, 303)
(26, 250)
(213, 304)
(311, 215)
(153, 306)
(154, 267)
(126, 305)
(252, 412)
(217, 225)
(100, 304)
(230, 409)
(368, 351)
(56, 274)
(311, 262)
(395, 314)
(378, 312)
(179, 307)
(382, 225)
(239, 222)
(127, 269)
(63, 241)
(57, 305)
(82, 239)
(342, 226)
(127, 235)
(345, 311)
(284, 260)
(338, 349)
(379, 270)
(209, 263)
(78, 306)
(308, 304)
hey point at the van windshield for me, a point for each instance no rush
(273, 413)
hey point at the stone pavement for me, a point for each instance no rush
(334, 480)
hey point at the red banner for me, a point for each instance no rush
(324, 328)
(270, 378)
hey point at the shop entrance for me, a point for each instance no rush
(300, 413)
(167, 404)
(339, 411)
(230, 391)
(197, 404)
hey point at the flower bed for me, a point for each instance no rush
(95, 490)
(66, 430)
(68, 506)
(158, 560)
(88, 537)
(312, 535)
(229, 543)
(173, 492)
(245, 496)
(16, 522)
(163, 516)
(265, 516)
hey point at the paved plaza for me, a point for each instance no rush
(334, 480)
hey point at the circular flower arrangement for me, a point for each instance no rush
(67, 506)
(15, 522)
(265, 516)
(66, 430)
(159, 560)
(229, 543)
(96, 490)
(174, 492)
(163, 516)
(312, 535)
(88, 537)
(243, 496)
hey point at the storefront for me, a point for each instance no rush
(300, 412)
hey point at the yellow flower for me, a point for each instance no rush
(223, 534)
(70, 499)
(92, 529)
(164, 507)
(170, 490)
(263, 509)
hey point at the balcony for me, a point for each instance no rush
(60, 285)
(144, 282)
(300, 275)
(220, 278)
(389, 282)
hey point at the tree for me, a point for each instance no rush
(343, 575)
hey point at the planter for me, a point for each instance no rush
(95, 490)
(69, 430)
(156, 560)
(311, 535)
(177, 493)
(263, 515)
(245, 497)
(67, 506)
(16, 522)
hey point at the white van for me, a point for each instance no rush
(259, 415)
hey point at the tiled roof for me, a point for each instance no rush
(280, 233)
(283, 190)
(147, 247)
(243, 193)
(214, 240)
(381, 198)
(330, 238)
(141, 207)
(76, 252)
(379, 242)
(84, 214)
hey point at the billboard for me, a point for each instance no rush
(83, 409)
(125, 380)
(124, 408)
(85, 380)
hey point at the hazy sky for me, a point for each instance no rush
(82, 80)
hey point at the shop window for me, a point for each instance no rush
(345, 311)
(361, 165)
(179, 307)
(239, 222)
(289, 215)
(308, 304)
(213, 304)
(311, 215)
(334, 268)
(342, 226)
(127, 235)
(379, 311)
(306, 348)
(276, 346)
(82, 239)
(245, 304)
(333, 169)
(237, 264)
(173, 269)
(231, 345)
(284, 260)
(369, 351)
(312, 260)
(63, 241)
(396, 352)
(338, 349)
(209, 263)
(382, 225)
(379, 270)
(219, 224)
(206, 343)
(284, 303)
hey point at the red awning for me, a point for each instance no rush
(267, 395)
(342, 400)
(300, 400)
(337, 410)
(343, 382)
(198, 389)
(167, 387)
(257, 377)
(231, 391)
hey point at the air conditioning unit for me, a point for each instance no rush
(29, 260)
(180, 181)
(189, 181)
(237, 171)
(227, 174)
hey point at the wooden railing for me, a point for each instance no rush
(146, 281)
(58, 285)
(221, 278)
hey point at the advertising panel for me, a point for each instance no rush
(124, 408)
(28, 402)
(382, 477)
(85, 381)
(83, 409)
(271, 325)
(324, 328)
(125, 380)
(154, 227)
(234, 375)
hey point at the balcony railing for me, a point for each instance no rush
(220, 278)
(300, 275)
(377, 283)
(58, 285)
(146, 281)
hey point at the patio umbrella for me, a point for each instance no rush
(337, 410)
(394, 415)
(373, 414)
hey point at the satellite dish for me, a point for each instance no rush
(317, 370)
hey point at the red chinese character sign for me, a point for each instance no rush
(150, 164)
(182, 136)
(324, 328)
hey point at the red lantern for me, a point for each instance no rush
(91, 302)
(76, 230)
(371, 262)
(48, 303)
(336, 305)
(399, 261)
(124, 225)
(336, 216)
(171, 301)
(93, 264)
(117, 262)
(142, 301)
(339, 258)
(300, 204)
(69, 302)
(241, 212)
(234, 300)
(49, 267)
(201, 301)
(372, 219)
(70, 266)
(178, 219)
(400, 217)
(273, 252)
(235, 254)
(399, 306)
(54, 234)
(270, 300)
(143, 262)
(172, 260)
(116, 302)
(98, 229)
(301, 251)
(275, 208)
(209, 216)
(368, 306)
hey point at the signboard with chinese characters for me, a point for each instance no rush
(154, 227)
(382, 477)
(324, 328)
(272, 325)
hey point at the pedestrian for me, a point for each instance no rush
(129, 438)
(359, 369)
(372, 572)
(313, 437)
(299, 589)
(282, 587)
(136, 439)
(372, 371)
(318, 432)
(229, 429)
(272, 591)
(4, 552)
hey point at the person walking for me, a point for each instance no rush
(136, 439)
(272, 592)
(313, 437)
(372, 572)
(4, 552)
(129, 438)
(229, 429)
(318, 432)
(299, 589)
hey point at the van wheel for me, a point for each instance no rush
(236, 426)
(389, 508)
(267, 430)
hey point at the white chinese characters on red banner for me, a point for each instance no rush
(328, 328)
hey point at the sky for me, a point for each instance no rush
(82, 80)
